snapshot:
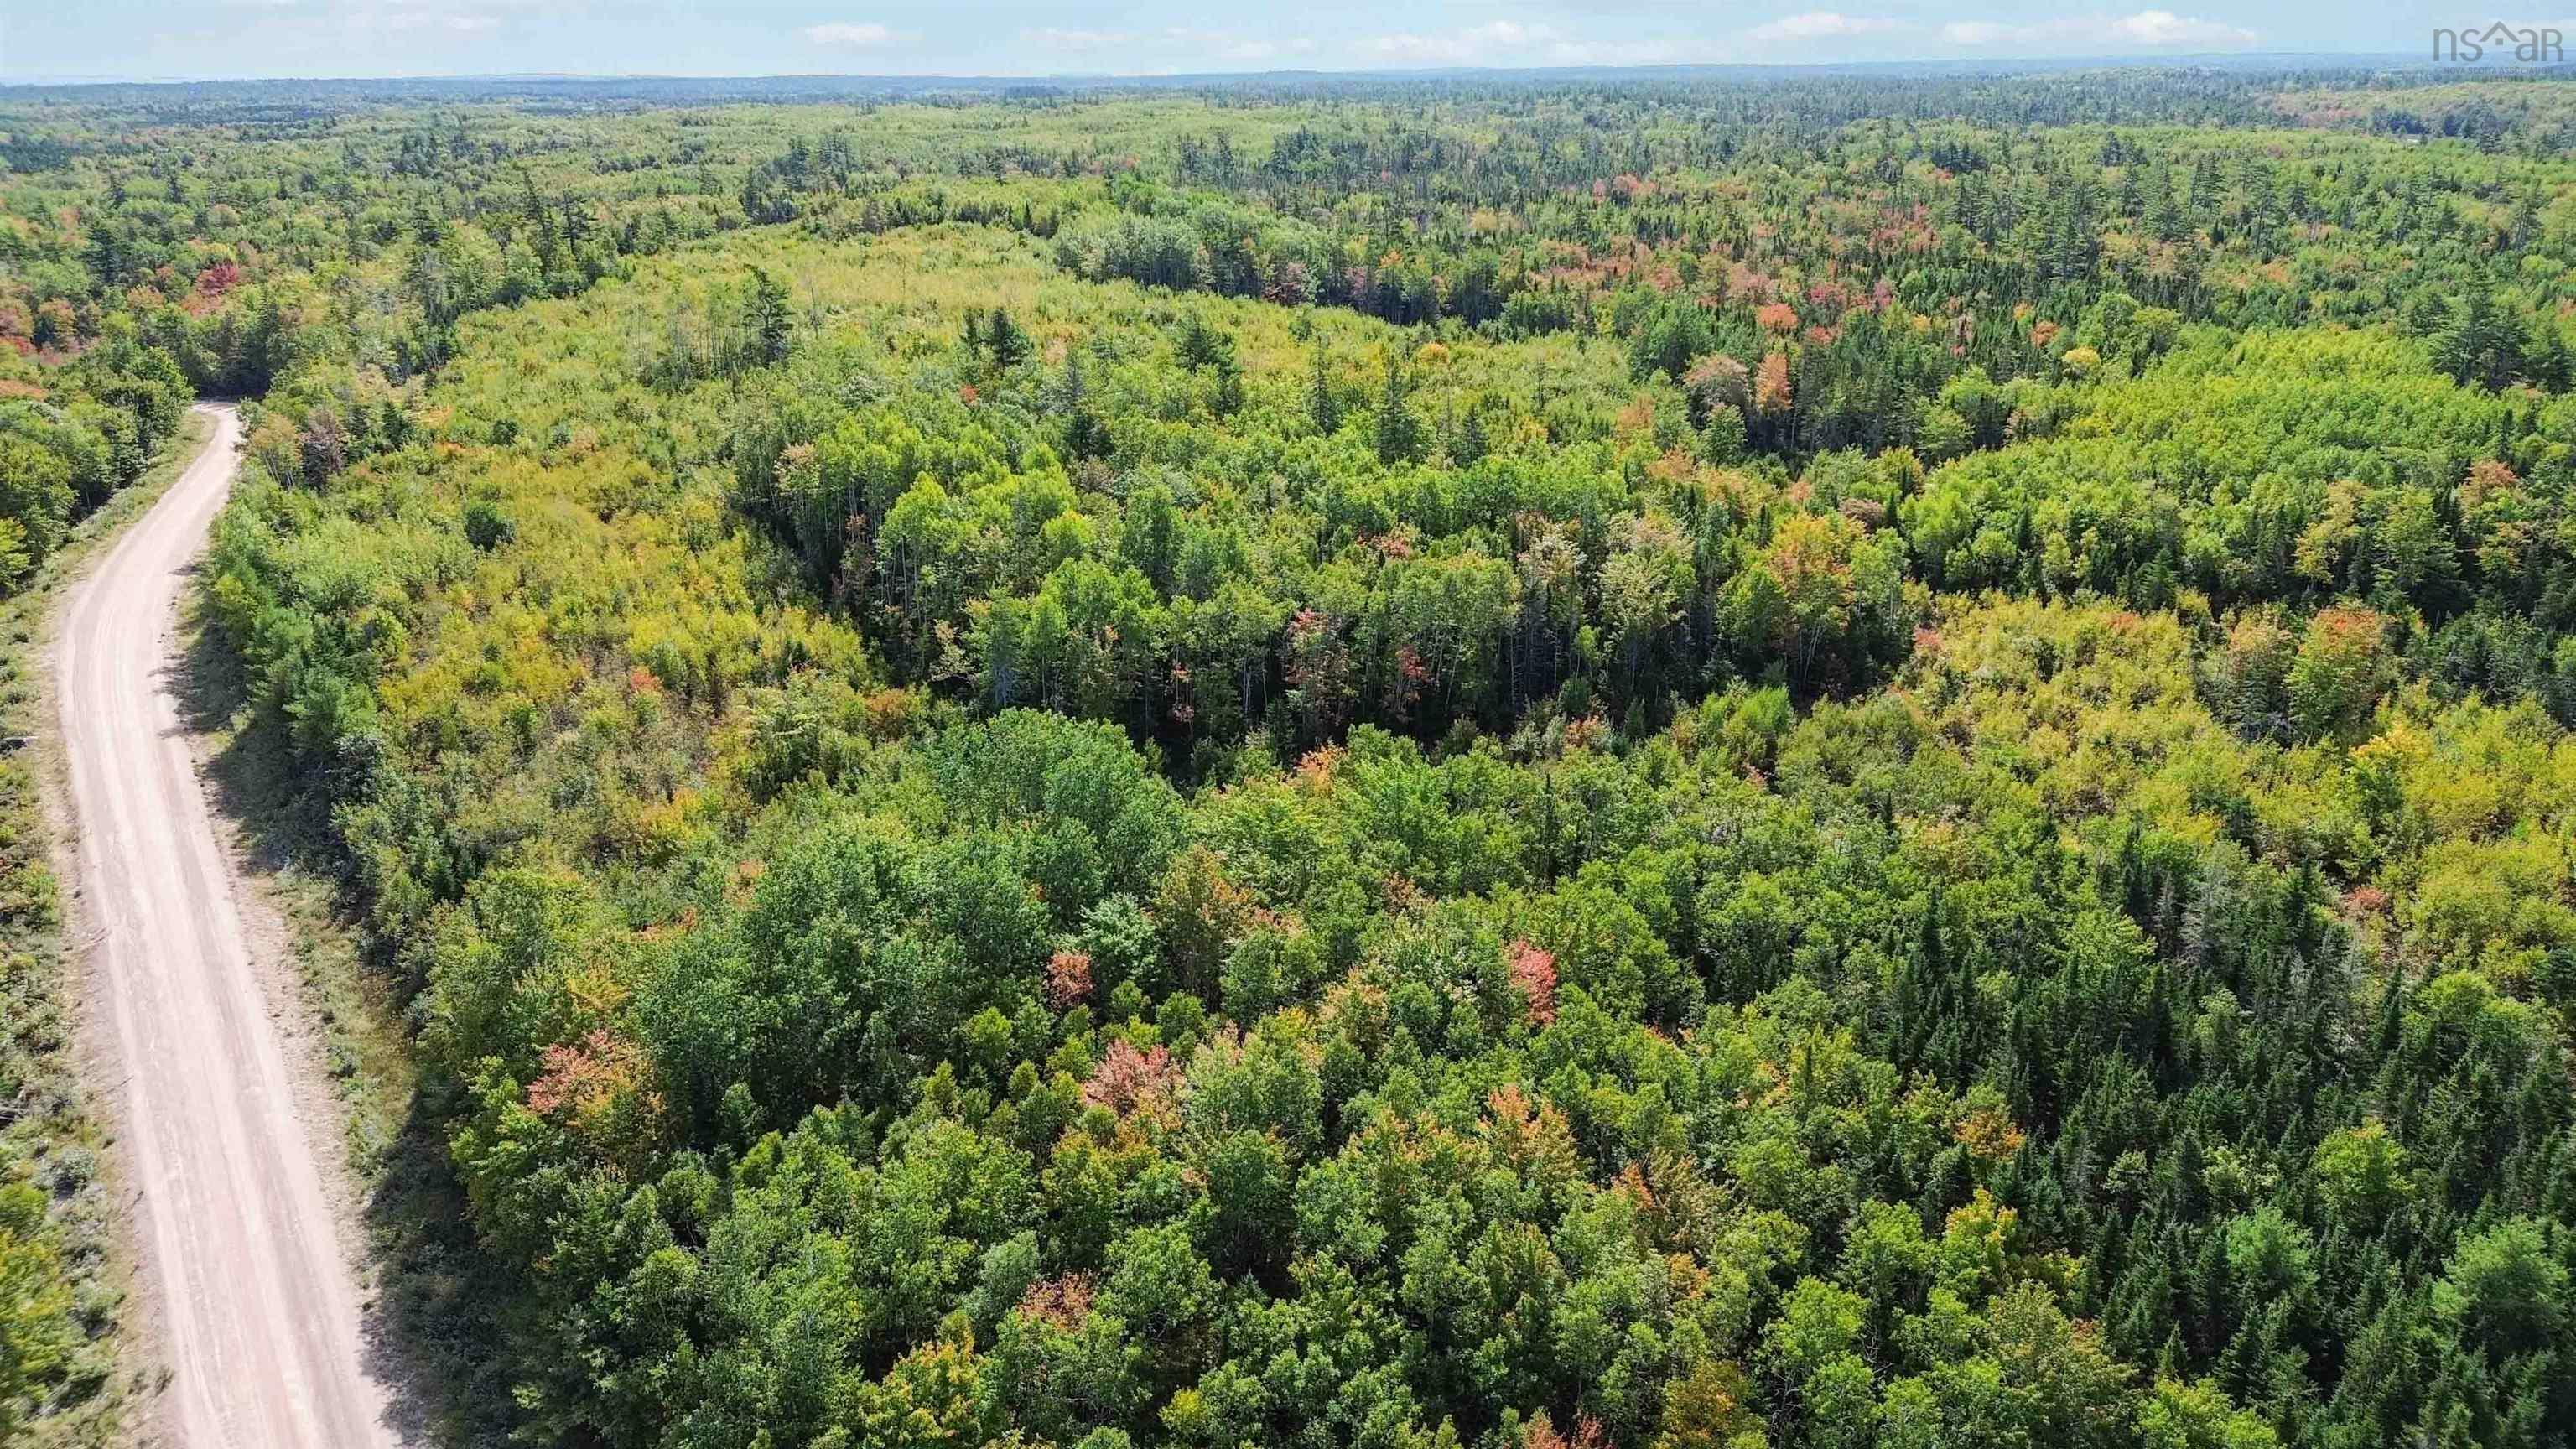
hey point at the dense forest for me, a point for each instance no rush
(1842, 759)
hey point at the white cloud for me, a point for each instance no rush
(1511, 43)
(2146, 30)
(1822, 25)
(2163, 27)
(1475, 44)
(1622, 52)
(1058, 38)
(1174, 48)
(405, 16)
(463, 16)
(1233, 45)
(857, 35)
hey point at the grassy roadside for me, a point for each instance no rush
(62, 1288)
(288, 853)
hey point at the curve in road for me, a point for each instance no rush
(257, 1309)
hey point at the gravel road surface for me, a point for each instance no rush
(255, 1302)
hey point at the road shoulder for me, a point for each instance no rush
(338, 1021)
(62, 1128)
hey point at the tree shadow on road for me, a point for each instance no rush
(432, 1322)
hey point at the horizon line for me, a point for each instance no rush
(2503, 65)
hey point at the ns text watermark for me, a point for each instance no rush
(2498, 41)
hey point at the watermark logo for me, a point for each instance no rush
(2528, 44)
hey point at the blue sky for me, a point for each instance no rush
(156, 39)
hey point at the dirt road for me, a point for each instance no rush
(254, 1300)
